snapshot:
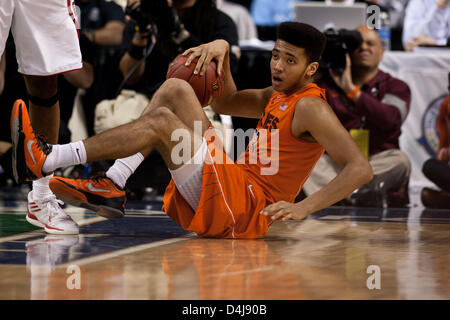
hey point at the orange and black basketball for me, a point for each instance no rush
(206, 87)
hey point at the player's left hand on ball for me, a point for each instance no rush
(206, 52)
(282, 210)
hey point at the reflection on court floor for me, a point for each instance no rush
(338, 253)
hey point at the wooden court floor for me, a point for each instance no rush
(339, 253)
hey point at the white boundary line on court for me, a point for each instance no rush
(40, 232)
(121, 252)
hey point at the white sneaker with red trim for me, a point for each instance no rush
(46, 213)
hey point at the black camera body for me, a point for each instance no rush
(148, 10)
(151, 12)
(339, 43)
(159, 14)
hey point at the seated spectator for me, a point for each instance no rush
(185, 25)
(372, 105)
(427, 22)
(438, 170)
(443, 128)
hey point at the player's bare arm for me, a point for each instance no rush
(246, 103)
(315, 116)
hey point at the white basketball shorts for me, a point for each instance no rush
(45, 34)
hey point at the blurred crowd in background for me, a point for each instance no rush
(128, 45)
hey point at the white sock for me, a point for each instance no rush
(64, 155)
(41, 190)
(123, 168)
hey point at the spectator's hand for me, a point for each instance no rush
(344, 80)
(134, 12)
(418, 41)
(283, 210)
(216, 50)
(444, 154)
(442, 3)
(132, 4)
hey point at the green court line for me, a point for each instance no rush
(11, 224)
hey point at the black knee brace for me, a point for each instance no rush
(41, 102)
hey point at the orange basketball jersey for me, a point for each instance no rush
(276, 160)
(233, 194)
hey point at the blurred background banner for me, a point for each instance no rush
(425, 71)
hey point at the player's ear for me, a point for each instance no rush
(312, 68)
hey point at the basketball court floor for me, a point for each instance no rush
(338, 253)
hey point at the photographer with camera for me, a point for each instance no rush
(372, 105)
(158, 31)
(177, 25)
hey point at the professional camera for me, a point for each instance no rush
(148, 10)
(339, 43)
(155, 12)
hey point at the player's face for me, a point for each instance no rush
(288, 67)
(370, 53)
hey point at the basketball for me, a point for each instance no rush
(206, 87)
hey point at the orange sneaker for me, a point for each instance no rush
(99, 194)
(29, 151)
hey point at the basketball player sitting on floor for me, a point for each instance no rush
(209, 194)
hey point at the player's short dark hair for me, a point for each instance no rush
(304, 36)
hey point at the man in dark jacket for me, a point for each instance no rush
(372, 105)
